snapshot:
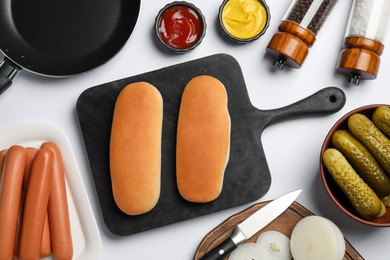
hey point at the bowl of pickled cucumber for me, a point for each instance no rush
(355, 164)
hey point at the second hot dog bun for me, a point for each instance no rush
(135, 148)
(203, 139)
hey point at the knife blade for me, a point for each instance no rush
(251, 225)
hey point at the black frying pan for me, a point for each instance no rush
(247, 176)
(62, 37)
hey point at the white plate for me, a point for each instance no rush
(85, 233)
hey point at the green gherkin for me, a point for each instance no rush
(381, 118)
(361, 196)
(372, 138)
(362, 161)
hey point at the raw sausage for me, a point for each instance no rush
(60, 232)
(2, 156)
(30, 154)
(10, 195)
(35, 209)
(46, 242)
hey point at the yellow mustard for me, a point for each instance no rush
(244, 19)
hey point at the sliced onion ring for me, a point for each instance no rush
(248, 251)
(275, 244)
(316, 237)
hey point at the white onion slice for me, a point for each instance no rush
(316, 237)
(275, 244)
(248, 251)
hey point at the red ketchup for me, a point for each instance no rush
(180, 27)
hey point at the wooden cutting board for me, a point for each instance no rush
(285, 223)
(247, 177)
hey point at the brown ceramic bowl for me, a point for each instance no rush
(335, 193)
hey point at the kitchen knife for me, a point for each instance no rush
(252, 224)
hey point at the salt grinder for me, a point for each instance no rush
(363, 44)
(297, 31)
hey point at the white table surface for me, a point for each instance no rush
(291, 147)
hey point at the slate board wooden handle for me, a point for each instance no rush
(326, 101)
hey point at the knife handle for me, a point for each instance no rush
(221, 250)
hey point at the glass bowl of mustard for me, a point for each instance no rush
(180, 26)
(244, 21)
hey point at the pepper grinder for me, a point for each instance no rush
(363, 44)
(297, 31)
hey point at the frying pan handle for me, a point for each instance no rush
(326, 101)
(8, 71)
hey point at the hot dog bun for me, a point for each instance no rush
(203, 139)
(135, 148)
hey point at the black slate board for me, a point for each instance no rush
(247, 177)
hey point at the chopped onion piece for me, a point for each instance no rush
(248, 251)
(316, 237)
(275, 244)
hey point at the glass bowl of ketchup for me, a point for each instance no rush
(180, 26)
